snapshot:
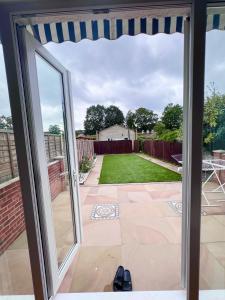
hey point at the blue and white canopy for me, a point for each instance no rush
(113, 24)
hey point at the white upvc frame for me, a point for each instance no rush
(29, 47)
(24, 158)
(78, 215)
(194, 117)
(195, 121)
(185, 154)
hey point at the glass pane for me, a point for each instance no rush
(212, 264)
(52, 108)
(14, 255)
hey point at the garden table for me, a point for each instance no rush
(213, 166)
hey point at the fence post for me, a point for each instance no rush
(49, 149)
(61, 144)
(55, 145)
(10, 155)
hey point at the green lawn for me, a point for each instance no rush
(127, 168)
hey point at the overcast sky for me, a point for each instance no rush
(129, 72)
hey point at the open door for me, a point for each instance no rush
(52, 135)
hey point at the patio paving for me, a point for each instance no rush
(145, 238)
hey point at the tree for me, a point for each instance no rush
(113, 116)
(159, 128)
(95, 119)
(145, 119)
(168, 135)
(54, 129)
(172, 116)
(130, 120)
(6, 122)
(214, 120)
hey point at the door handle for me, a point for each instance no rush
(74, 176)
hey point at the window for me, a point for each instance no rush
(212, 267)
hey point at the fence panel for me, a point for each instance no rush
(53, 145)
(8, 160)
(136, 146)
(85, 148)
(112, 147)
(162, 150)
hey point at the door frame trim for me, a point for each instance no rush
(22, 140)
(196, 96)
(29, 47)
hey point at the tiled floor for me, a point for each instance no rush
(146, 238)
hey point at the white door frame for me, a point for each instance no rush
(29, 48)
(196, 93)
(185, 154)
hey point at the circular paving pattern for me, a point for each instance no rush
(105, 211)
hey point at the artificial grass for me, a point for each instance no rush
(128, 168)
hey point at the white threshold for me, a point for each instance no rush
(150, 295)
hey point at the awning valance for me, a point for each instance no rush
(112, 25)
(109, 29)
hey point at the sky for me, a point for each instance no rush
(130, 72)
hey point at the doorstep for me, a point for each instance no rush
(150, 295)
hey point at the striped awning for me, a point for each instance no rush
(109, 29)
(112, 25)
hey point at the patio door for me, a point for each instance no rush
(52, 135)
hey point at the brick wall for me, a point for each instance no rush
(57, 180)
(11, 206)
(220, 154)
(11, 214)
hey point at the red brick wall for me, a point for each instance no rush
(11, 206)
(11, 214)
(57, 181)
(221, 155)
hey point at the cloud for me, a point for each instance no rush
(4, 96)
(215, 59)
(129, 72)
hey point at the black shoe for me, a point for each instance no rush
(118, 280)
(127, 283)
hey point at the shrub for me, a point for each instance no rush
(169, 135)
(85, 165)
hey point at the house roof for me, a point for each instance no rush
(116, 125)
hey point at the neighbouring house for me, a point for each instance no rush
(116, 133)
(82, 137)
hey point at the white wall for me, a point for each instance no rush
(116, 133)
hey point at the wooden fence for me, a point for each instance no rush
(162, 150)
(112, 147)
(8, 160)
(53, 145)
(85, 148)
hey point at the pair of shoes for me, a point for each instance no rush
(122, 281)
